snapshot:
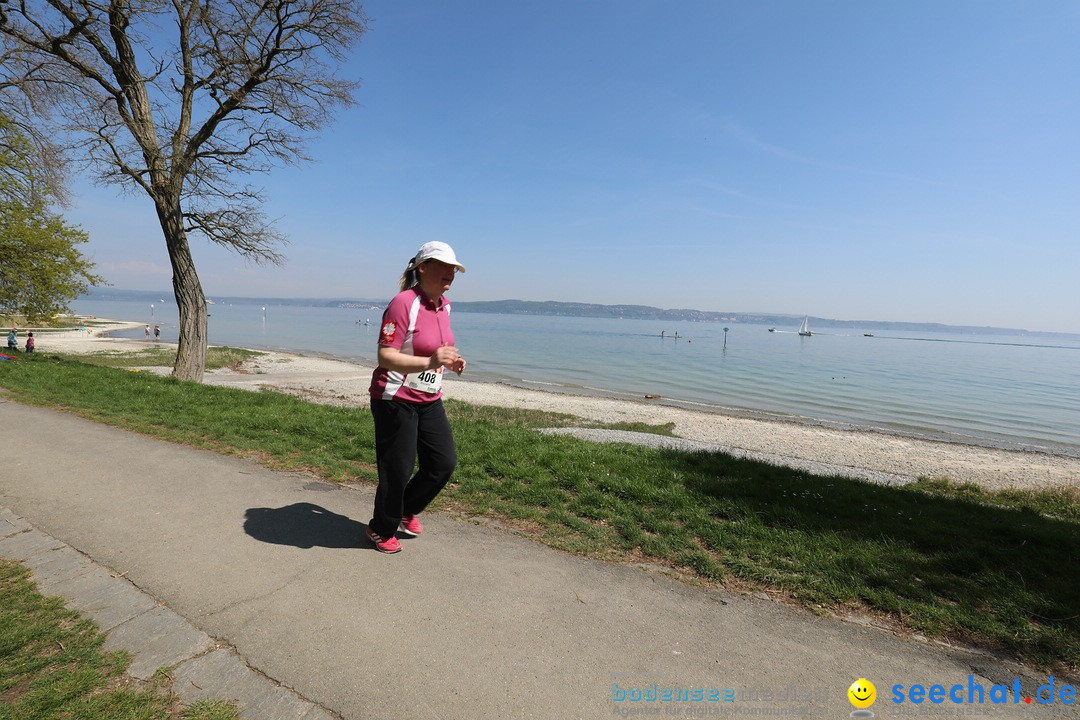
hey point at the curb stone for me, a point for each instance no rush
(152, 634)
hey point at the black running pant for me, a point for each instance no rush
(403, 432)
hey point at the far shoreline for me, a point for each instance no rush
(562, 389)
(926, 435)
(334, 380)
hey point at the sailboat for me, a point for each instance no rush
(805, 329)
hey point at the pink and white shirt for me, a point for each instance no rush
(416, 325)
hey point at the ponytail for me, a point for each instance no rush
(410, 276)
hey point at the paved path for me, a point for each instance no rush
(246, 578)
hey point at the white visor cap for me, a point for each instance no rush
(436, 251)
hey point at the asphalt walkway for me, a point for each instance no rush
(257, 586)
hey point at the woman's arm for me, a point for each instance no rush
(447, 356)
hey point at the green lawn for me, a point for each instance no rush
(949, 561)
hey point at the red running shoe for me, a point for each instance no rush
(388, 545)
(411, 526)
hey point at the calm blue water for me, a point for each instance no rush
(1013, 391)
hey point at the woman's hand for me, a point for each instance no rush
(448, 357)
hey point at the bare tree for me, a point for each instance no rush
(182, 100)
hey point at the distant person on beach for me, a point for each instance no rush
(147, 332)
(29, 342)
(157, 333)
(415, 345)
(12, 340)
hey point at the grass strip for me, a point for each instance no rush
(57, 322)
(946, 560)
(164, 356)
(52, 665)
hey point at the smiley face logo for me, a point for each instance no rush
(862, 693)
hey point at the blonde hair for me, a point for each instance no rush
(410, 277)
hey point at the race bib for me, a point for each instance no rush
(428, 381)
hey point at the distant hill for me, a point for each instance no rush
(574, 309)
(645, 312)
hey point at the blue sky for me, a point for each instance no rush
(913, 161)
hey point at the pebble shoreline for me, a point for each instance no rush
(876, 456)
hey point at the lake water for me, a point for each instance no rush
(1015, 391)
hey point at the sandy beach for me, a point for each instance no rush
(343, 383)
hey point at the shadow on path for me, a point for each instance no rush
(304, 525)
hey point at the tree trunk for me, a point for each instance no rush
(190, 300)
